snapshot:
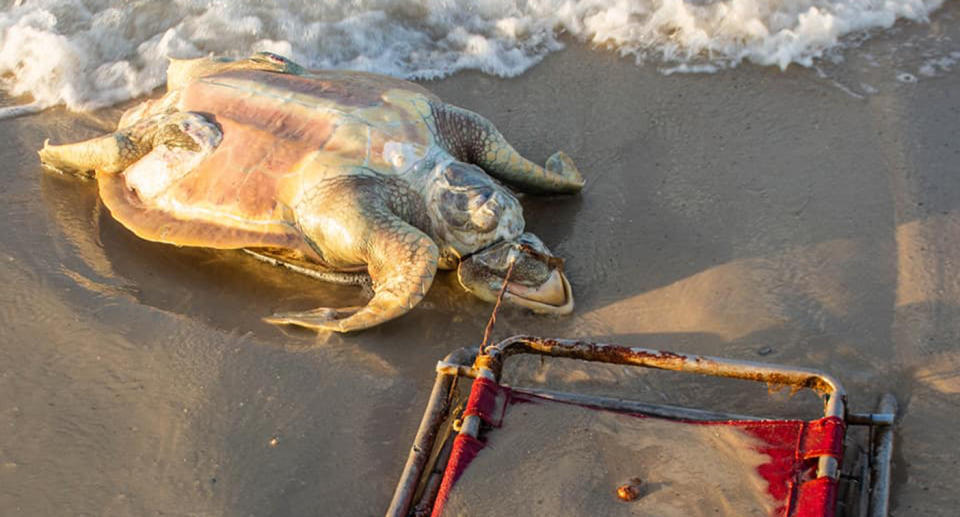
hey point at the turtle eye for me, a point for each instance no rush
(453, 209)
(486, 217)
(474, 210)
(465, 176)
(456, 176)
(458, 200)
(271, 57)
(479, 197)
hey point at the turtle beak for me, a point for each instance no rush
(534, 277)
(553, 296)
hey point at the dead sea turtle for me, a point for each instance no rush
(342, 175)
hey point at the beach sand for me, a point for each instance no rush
(675, 463)
(811, 217)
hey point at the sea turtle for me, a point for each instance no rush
(345, 176)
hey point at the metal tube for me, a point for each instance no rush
(433, 417)
(456, 369)
(828, 467)
(870, 418)
(863, 501)
(471, 423)
(881, 456)
(432, 485)
(470, 426)
(706, 365)
(615, 404)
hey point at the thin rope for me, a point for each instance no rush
(493, 315)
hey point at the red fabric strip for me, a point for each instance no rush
(483, 401)
(824, 437)
(817, 498)
(465, 449)
(778, 439)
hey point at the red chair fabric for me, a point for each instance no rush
(793, 448)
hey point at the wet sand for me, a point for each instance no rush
(734, 214)
(676, 463)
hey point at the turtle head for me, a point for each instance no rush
(537, 281)
(273, 63)
(469, 210)
(181, 72)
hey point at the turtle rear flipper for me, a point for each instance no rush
(110, 153)
(115, 152)
(471, 138)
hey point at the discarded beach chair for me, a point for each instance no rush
(791, 467)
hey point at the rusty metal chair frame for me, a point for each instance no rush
(420, 479)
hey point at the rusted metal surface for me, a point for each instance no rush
(433, 417)
(461, 370)
(705, 365)
(431, 487)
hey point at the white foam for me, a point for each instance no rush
(91, 53)
(937, 66)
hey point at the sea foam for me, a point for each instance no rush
(92, 53)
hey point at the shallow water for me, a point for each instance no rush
(723, 215)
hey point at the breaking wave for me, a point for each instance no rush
(92, 53)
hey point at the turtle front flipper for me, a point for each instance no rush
(470, 137)
(365, 226)
(115, 152)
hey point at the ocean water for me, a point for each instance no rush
(88, 54)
